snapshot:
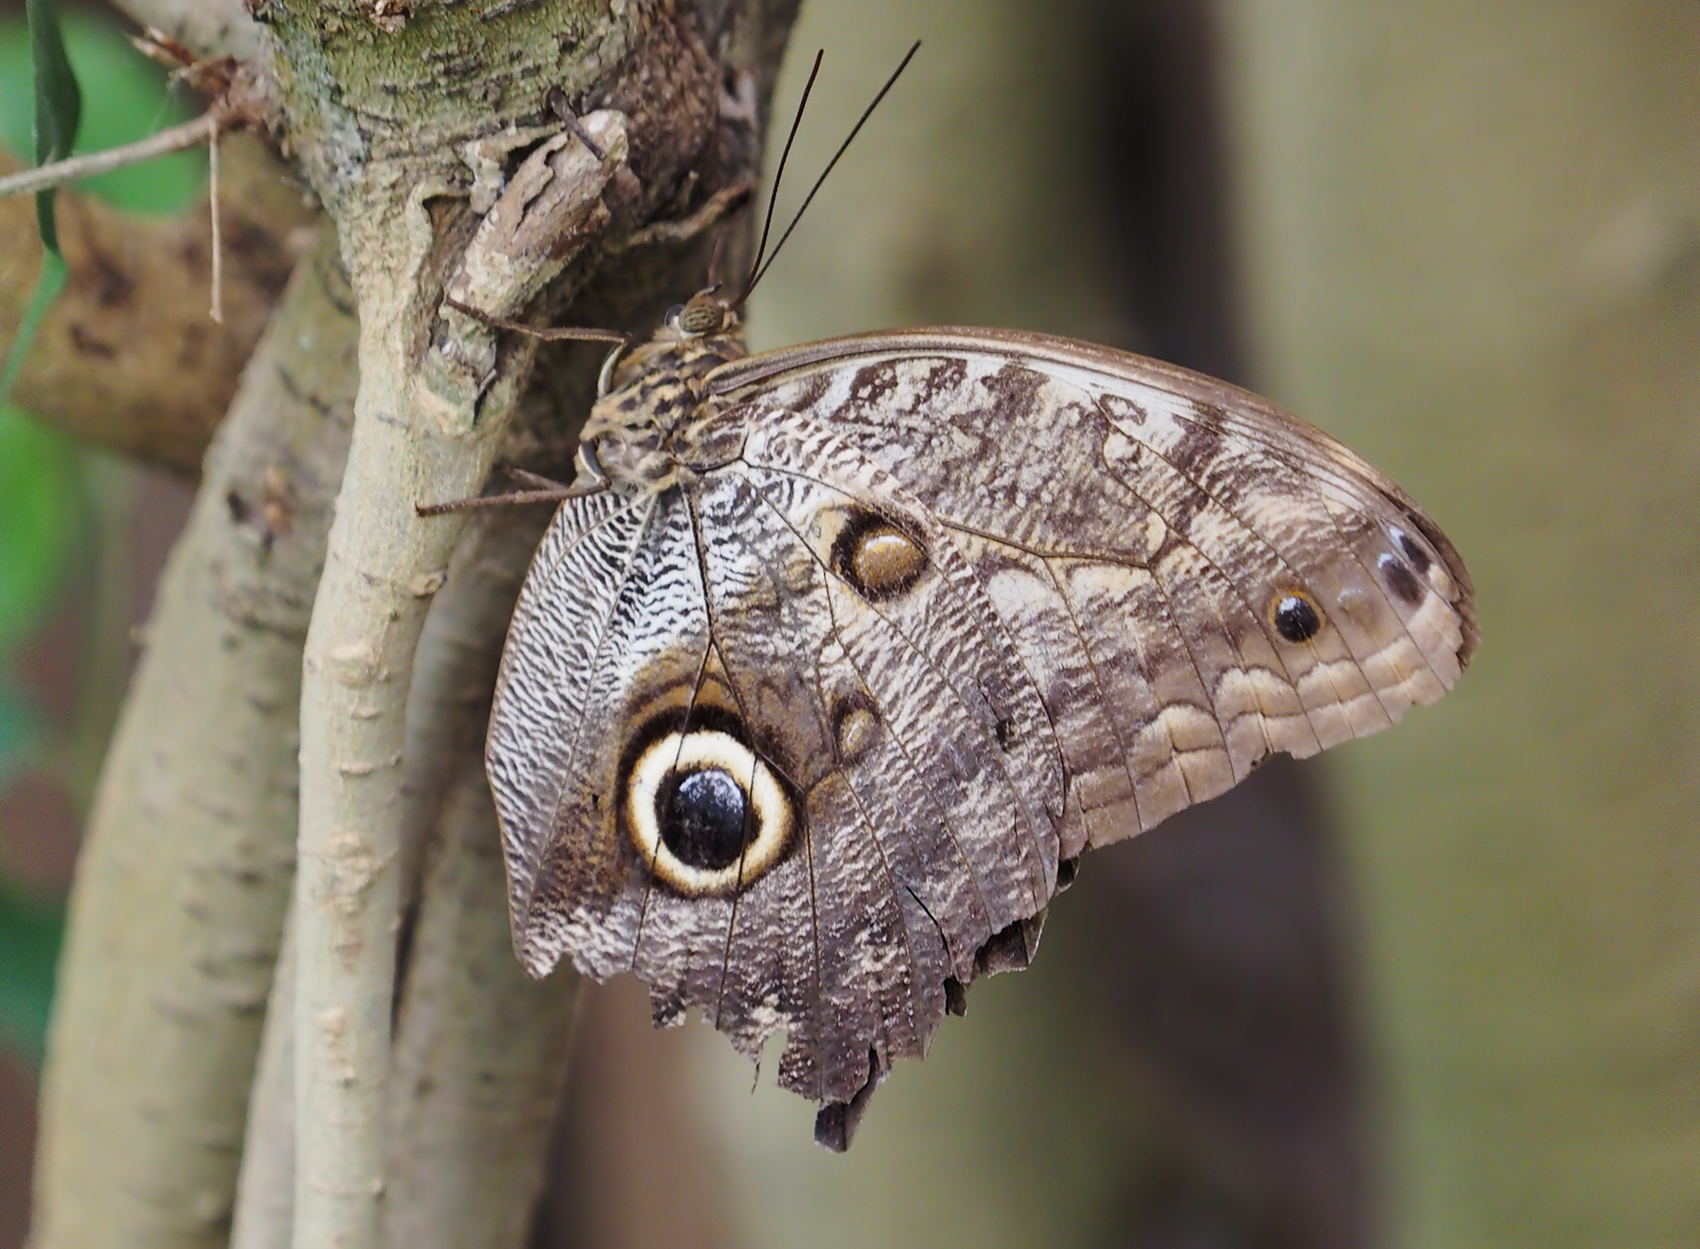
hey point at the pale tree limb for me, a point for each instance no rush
(481, 1051)
(181, 887)
(208, 28)
(126, 357)
(418, 425)
(265, 1189)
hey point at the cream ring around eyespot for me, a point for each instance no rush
(702, 751)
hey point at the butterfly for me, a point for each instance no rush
(839, 657)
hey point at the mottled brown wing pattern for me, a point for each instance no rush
(804, 717)
(1193, 578)
(910, 752)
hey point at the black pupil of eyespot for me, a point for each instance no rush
(703, 818)
(1296, 619)
(673, 314)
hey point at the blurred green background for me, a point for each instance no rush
(68, 579)
(1464, 238)
(47, 518)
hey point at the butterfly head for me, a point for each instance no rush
(703, 315)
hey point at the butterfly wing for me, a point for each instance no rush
(1192, 577)
(807, 740)
(900, 784)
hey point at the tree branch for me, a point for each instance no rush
(181, 887)
(265, 1188)
(481, 1051)
(418, 423)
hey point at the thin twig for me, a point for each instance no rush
(685, 229)
(217, 309)
(176, 139)
(557, 495)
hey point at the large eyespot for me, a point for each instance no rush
(1295, 615)
(705, 813)
(876, 557)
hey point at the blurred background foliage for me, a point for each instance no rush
(66, 575)
(1439, 990)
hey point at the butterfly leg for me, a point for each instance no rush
(544, 490)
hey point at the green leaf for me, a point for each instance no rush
(126, 97)
(31, 932)
(40, 510)
(58, 108)
(58, 104)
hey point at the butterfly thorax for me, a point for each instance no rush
(639, 430)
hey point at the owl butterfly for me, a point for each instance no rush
(845, 653)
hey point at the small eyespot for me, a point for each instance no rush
(1401, 580)
(705, 814)
(856, 731)
(1413, 551)
(877, 558)
(1295, 615)
(671, 320)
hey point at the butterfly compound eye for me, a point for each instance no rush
(703, 314)
(706, 815)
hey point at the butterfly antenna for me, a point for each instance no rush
(778, 176)
(757, 273)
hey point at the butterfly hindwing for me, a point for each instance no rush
(751, 610)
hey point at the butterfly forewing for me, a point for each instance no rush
(1195, 578)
